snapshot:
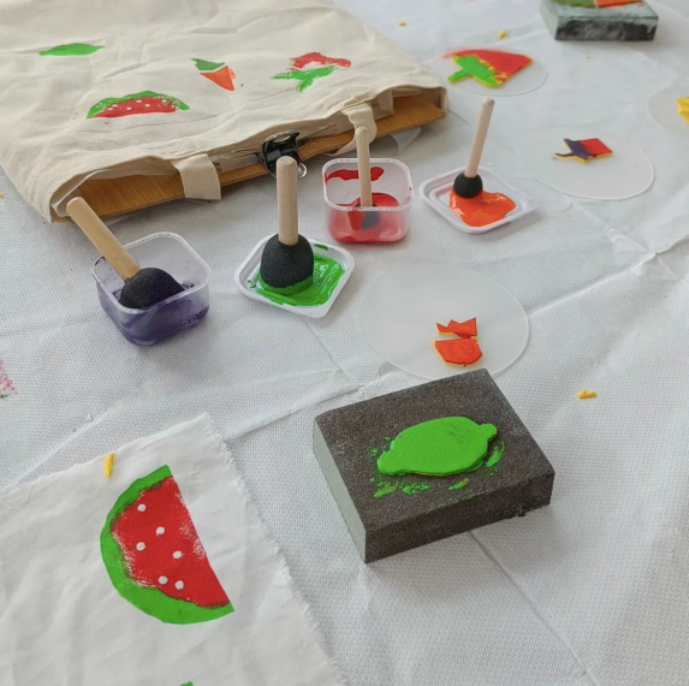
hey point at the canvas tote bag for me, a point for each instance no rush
(95, 88)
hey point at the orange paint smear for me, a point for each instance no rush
(462, 351)
(465, 329)
(486, 208)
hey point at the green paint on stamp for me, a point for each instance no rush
(458, 485)
(496, 455)
(321, 246)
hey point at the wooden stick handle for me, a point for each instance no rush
(101, 236)
(479, 138)
(288, 222)
(363, 159)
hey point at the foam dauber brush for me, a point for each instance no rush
(468, 183)
(287, 259)
(142, 287)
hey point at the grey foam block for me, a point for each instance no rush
(387, 515)
(635, 22)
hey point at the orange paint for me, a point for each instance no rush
(462, 351)
(486, 208)
(465, 329)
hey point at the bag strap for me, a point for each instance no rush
(359, 115)
(199, 177)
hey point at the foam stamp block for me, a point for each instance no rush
(429, 462)
(591, 20)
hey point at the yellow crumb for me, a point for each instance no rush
(1, 196)
(502, 33)
(107, 464)
(401, 23)
(585, 394)
(587, 57)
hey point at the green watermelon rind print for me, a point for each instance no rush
(149, 600)
(71, 50)
(106, 102)
(206, 65)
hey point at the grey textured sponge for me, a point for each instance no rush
(387, 515)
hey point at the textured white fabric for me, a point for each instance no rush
(591, 591)
(66, 620)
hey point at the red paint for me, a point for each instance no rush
(318, 58)
(137, 106)
(482, 210)
(508, 63)
(463, 351)
(596, 147)
(350, 174)
(222, 77)
(465, 329)
(164, 507)
(6, 386)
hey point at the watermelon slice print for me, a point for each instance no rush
(71, 50)
(155, 558)
(146, 102)
(217, 72)
(489, 67)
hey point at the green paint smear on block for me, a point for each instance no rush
(149, 600)
(321, 246)
(326, 275)
(576, 3)
(385, 487)
(459, 484)
(306, 77)
(205, 65)
(474, 67)
(373, 452)
(496, 455)
(188, 684)
(440, 447)
(71, 50)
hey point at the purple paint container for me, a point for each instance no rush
(173, 254)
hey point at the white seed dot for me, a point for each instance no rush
(160, 530)
(141, 508)
(147, 105)
(141, 546)
(128, 109)
(138, 100)
(177, 554)
(179, 585)
(162, 580)
(115, 105)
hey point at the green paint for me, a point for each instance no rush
(205, 65)
(149, 600)
(326, 275)
(188, 684)
(577, 3)
(458, 485)
(106, 102)
(306, 77)
(71, 50)
(386, 487)
(496, 455)
(373, 452)
(473, 66)
(288, 290)
(440, 447)
(250, 283)
(410, 489)
(321, 246)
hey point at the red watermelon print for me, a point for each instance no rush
(155, 558)
(146, 102)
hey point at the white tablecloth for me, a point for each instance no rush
(593, 590)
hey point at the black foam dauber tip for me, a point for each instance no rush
(149, 286)
(467, 186)
(287, 268)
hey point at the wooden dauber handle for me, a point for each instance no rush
(363, 160)
(479, 138)
(101, 236)
(288, 221)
